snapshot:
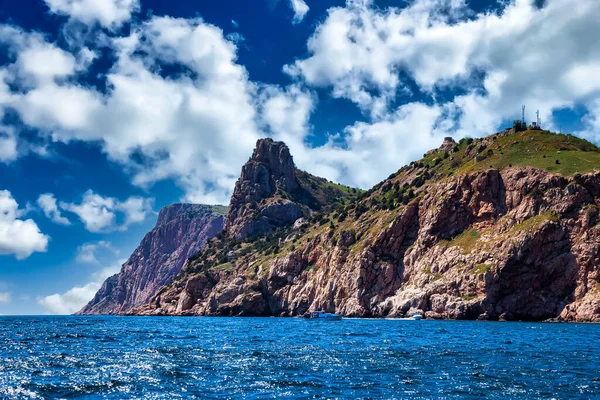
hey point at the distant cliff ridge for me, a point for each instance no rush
(506, 227)
(180, 232)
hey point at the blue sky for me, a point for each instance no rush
(111, 110)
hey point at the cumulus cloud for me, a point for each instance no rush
(38, 61)
(300, 10)
(5, 297)
(108, 13)
(198, 123)
(367, 152)
(74, 299)
(192, 127)
(135, 209)
(47, 203)
(362, 52)
(99, 214)
(71, 301)
(45, 62)
(19, 237)
(285, 113)
(86, 253)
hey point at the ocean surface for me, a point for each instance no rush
(262, 358)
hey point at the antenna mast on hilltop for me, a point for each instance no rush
(523, 116)
(539, 123)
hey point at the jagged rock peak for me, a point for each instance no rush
(269, 171)
(276, 157)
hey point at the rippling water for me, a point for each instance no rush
(112, 357)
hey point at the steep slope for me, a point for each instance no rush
(272, 193)
(180, 232)
(504, 227)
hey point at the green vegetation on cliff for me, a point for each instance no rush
(340, 212)
(563, 154)
(320, 194)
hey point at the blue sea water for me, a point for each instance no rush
(261, 358)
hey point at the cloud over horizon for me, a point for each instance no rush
(75, 298)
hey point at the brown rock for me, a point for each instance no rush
(516, 244)
(180, 232)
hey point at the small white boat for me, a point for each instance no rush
(325, 316)
(417, 316)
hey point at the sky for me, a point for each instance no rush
(113, 109)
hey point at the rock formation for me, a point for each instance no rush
(490, 228)
(269, 171)
(271, 193)
(180, 232)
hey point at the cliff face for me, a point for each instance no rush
(180, 232)
(253, 209)
(504, 227)
(272, 194)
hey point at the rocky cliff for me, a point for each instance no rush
(504, 227)
(271, 193)
(180, 232)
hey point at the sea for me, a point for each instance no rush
(289, 358)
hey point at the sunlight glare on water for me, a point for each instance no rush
(257, 358)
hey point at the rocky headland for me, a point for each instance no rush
(500, 228)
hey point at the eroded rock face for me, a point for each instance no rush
(180, 232)
(252, 210)
(516, 244)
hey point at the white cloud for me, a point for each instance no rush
(5, 297)
(46, 62)
(366, 153)
(135, 209)
(47, 203)
(86, 253)
(71, 301)
(108, 13)
(285, 113)
(38, 61)
(74, 299)
(361, 52)
(99, 214)
(198, 127)
(8, 145)
(19, 237)
(300, 10)
(95, 211)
